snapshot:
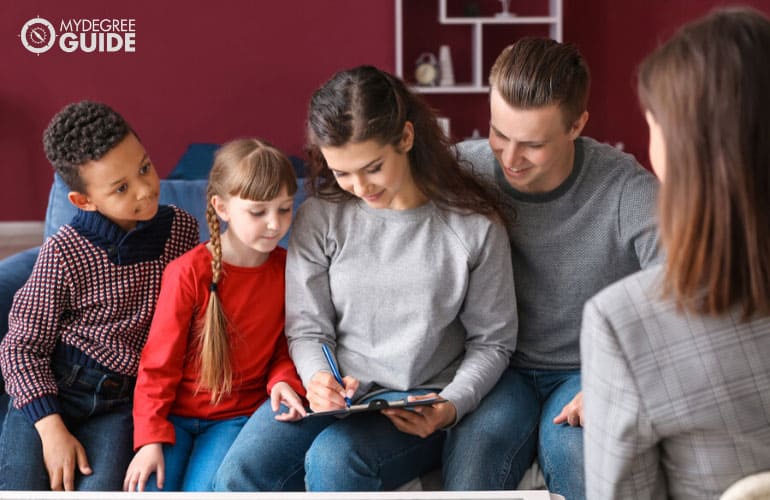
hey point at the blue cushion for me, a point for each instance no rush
(196, 162)
(14, 271)
(198, 158)
(189, 195)
(299, 197)
(60, 211)
(299, 165)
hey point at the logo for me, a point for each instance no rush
(38, 35)
(87, 35)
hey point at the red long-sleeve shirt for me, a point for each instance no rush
(253, 301)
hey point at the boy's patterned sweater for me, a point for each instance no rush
(90, 299)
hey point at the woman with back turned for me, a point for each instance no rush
(675, 372)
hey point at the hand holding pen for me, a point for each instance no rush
(335, 370)
(330, 391)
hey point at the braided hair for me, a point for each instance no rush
(254, 170)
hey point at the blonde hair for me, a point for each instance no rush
(251, 169)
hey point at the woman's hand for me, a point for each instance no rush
(282, 393)
(147, 460)
(62, 452)
(324, 393)
(423, 420)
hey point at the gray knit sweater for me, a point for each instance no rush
(419, 298)
(567, 244)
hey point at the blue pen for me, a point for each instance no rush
(335, 370)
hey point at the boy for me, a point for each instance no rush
(77, 327)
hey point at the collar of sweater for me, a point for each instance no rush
(143, 243)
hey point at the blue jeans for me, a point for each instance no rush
(363, 452)
(96, 408)
(4, 399)
(492, 447)
(193, 460)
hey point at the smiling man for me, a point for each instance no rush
(584, 219)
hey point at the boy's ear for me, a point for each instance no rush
(81, 201)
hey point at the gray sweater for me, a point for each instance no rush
(595, 228)
(419, 298)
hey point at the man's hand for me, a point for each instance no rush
(61, 453)
(324, 393)
(422, 420)
(572, 413)
(147, 460)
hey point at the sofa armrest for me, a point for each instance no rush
(14, 272)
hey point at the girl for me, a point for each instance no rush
(401, 263)
(216, 347)
(675, 370)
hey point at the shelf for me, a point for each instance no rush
(453, 89)
(553, 20)
(500, 20)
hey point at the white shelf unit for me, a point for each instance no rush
(553, 20)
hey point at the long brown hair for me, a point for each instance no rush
(365, 103)
(708, 89)
(254, 170)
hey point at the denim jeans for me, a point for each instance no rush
(4, 400)
(362, 452)
(193, 460)
(96, 408)
(492, 447)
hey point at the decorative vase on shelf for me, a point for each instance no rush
(445, 67)
(505, 12)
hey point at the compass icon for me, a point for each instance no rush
(37, 35)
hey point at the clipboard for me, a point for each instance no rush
(377, 405)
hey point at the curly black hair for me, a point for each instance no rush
(79, 133)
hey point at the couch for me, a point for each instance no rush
(184, 187)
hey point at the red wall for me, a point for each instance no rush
(615, 36)
(231, 68)
(202, 71)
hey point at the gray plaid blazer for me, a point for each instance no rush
(676, 405)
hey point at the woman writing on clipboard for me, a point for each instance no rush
(400, 263)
